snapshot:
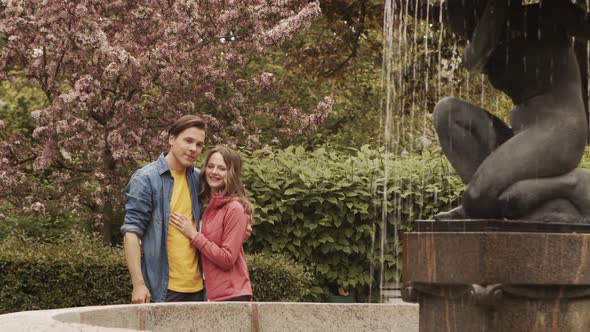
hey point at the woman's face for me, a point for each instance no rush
(215, 172)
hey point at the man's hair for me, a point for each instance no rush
(185, 122)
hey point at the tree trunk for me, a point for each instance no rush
(109, 166)
(107, 222)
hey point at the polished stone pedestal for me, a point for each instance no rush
(490, 275)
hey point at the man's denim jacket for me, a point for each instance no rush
(148, 195)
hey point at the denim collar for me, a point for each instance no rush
(163, 165)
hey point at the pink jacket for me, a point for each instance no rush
(220, 244)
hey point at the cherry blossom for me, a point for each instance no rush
(117, 73)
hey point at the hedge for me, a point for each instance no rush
(47, 228)
(278, 278)
(324, 207)
(84, 272)
(37, 275)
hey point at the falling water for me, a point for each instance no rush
(397, 51)
(389, 94)
(405, 104)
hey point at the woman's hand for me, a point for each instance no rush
(184, 225)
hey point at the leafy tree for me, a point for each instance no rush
(114, 74)
(340, 56)
(16, 100)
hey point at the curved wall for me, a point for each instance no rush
(215, 316)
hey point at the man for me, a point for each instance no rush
(168, 270)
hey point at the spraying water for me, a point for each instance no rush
(387, 80)
(404, 103)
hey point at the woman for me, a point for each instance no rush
(224, 223)
(526, 170)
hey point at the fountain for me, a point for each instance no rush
(514, 255)
(206, 316)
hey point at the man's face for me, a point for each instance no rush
(186, 147)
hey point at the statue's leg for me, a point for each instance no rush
(555, 210)
(467, 134)
(544, 150)
(573, 187)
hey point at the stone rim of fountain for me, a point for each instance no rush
(243, 316)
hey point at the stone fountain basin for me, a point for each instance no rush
(215, 316)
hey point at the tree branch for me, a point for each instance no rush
(63, 165)
(355, 42)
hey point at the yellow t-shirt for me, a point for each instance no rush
(184, 273)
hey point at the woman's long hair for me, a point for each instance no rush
(233, 186)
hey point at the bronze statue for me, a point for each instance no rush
(526, 170)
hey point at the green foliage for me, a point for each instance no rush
(44, 228)
(585, 163)
(339, 56)
(324, 207)
(83, 271)
(17, 99)
(80, 272)
(276, 277)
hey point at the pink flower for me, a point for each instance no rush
(38, 207)
(290, 25)
(115, 76)
(38, 132)
(41, 164)
(210, 96)
(267, 80)
(36, 115)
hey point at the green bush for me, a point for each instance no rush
(79, 272)
(324, 207)
(44, 228)
(277, 278)
(83, 272)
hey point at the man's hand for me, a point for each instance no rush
(184, 225)
(140, 294)
(132, 247)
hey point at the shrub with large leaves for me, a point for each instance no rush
(324, 208)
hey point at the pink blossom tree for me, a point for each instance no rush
(116, 73)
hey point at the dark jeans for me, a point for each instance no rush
(172, 296)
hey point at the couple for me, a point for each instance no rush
(163, 219)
